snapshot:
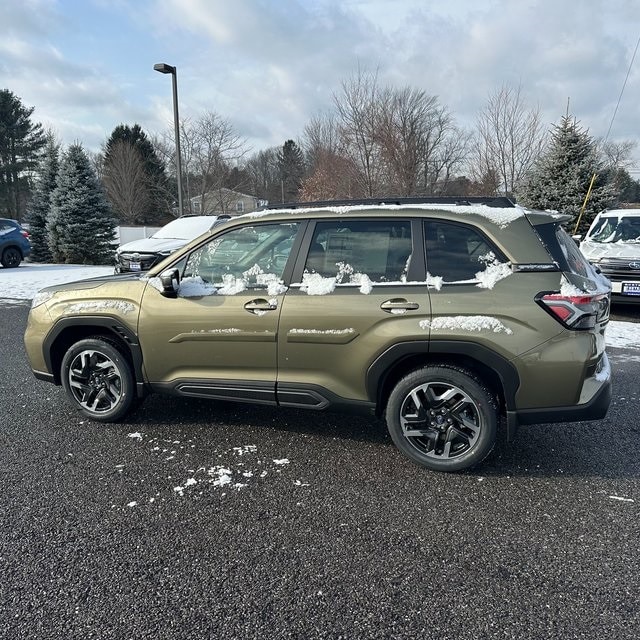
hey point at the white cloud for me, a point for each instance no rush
(270, 66)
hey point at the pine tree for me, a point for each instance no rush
(560, 179)
(40, 206)
(81, 225)
(21, 142)
(134, 176)
(291, 165)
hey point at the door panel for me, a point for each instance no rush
(223, 325)
(359, 292)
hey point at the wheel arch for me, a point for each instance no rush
(400, 359)
(68, 331)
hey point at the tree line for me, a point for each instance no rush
(375, 141)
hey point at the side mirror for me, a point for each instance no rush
(170, 280)
(576, 238)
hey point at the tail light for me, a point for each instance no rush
(25, 233)
(575, 312)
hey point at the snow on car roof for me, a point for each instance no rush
(500, 216)
(185, 228)
(631, 213)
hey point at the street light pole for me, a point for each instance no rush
(167, 68)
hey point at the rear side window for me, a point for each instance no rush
(564, 250)
(379, 249)
(457, 252)
(6, 226)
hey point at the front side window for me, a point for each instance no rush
(351, 252)
(243, 258)
(457, 252)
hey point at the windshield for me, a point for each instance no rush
(185, 228)
(616, 229)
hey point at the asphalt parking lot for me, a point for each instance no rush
(202, 519)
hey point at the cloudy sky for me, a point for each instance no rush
(270, 65)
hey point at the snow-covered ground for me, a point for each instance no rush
(24, 282)
(18, 285)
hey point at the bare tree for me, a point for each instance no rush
(358, 113)
(510, 137)
(419, 140)
(264, 175)
(617, 155)
(332, 174)
(127, 182)
(211, 148)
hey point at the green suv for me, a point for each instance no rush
(443, 316)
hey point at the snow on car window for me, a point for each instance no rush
(494, 271)
(195, 287)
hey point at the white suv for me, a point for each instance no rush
(142, 254)
(613, 245)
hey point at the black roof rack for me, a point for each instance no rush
(490, 201)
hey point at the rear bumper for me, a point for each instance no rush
(594, 409)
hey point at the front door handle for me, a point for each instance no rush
(398, 304)
(260, 306)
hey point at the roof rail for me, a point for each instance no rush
(490, 201)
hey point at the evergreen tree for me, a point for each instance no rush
(560, 179)
(291, 165)
(21, 141)
(40, 205)
(134, 176)
(81, 225)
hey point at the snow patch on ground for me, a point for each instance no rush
(623, 335)
(234, 469)
(26, 280)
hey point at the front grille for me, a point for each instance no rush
(618, 269)
(146, 260)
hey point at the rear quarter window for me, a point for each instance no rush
(563, 249)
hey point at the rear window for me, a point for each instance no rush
(563, 249)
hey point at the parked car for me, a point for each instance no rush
(613, 245)
(14, 243)
(141, 255)
(440, 316)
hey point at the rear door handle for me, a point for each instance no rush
(259, 305)
(399, 304)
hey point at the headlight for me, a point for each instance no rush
(41, 297)
(166, 252)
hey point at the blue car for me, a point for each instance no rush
(14, 243)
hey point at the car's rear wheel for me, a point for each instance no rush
(442, 417)
(98, 378)
(11, 257)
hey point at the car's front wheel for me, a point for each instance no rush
(11, 257)
(442, 417)
(97, 377)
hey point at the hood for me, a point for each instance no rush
(599, 250)
(152, 245)
(92, 283)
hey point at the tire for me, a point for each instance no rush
(98, 379)
(11, 257)
(443, 418)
